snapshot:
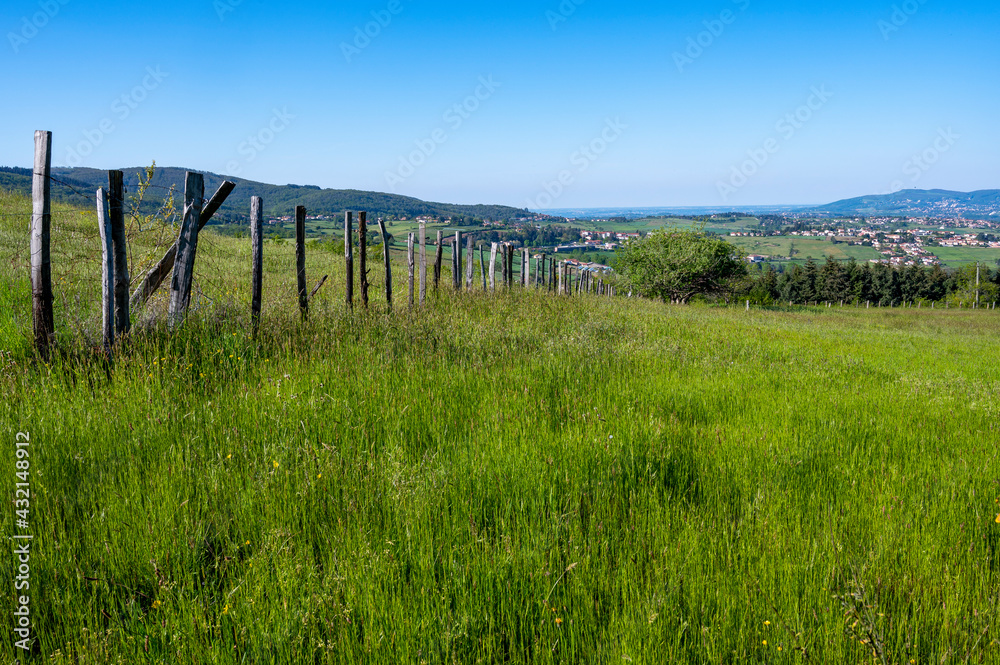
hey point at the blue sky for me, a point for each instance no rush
(601, 103)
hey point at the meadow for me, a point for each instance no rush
(512, 477)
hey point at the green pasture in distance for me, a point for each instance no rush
(956, 257)
(817, 248)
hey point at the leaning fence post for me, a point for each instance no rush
(187, 248)
(116, 200)
(493, 266)
(423, 262)
(363, 256)
(107, 271)
(256, 259)
(41, 260)
(410, 262)
(388, 264)
(158, 273)
(349, 257)
(300, 259)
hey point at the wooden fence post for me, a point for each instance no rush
(510, 266)
(482, 263)
(256, 259)
(388, 264)
(410, 262)
(107, 271)
(470, 263)
(187, 248)
(349, 257)
(423, 262)
(300, 260)
(456, 261)
(438, 259)
(158, 273)
(493, 266)
(503, 264)
(363, 256)
(116, 202)
(41, 259)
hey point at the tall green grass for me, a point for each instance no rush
(510, 478)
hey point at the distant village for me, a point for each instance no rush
(898, 247)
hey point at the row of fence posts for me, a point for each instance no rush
(178, 261)
(118, 301)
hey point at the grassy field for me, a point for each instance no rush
(507, 478)
(956, 257)
(804, 247)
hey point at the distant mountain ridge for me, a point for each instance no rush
(981, 204)
(279, 200)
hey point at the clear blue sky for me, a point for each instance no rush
(667, 120)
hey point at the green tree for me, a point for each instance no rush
(677, 265)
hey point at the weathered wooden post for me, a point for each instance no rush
(158, 273)
(349, 257)
(363, 256)
(559, 285)
(438, 260)
(493, 266)
(388, 264)
(300, 260)
(456, 261)
(470, 263)
(976, 306)
(41, 259)
(482, 263)
(187, 248)
(256, 260)
(107, 271)
(423, 262)
(503, 264)
(410, 263)
(510, 266)
(116, 201)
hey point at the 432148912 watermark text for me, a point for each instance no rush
(22, 539)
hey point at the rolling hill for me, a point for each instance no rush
(77, 185)
(982, 204)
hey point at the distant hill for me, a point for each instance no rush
(983, 204)
(278, 199)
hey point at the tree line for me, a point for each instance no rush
(879, 283)
(678, 265)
